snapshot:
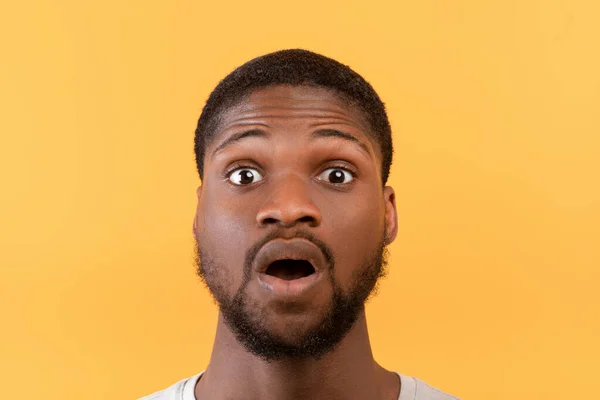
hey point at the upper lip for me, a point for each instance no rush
(289, 249)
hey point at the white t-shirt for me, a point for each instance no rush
(411, 389)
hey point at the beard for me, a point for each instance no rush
(251, 331)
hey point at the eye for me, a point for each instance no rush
(338, 176)
(244, 176)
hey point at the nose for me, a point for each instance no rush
(289, 204)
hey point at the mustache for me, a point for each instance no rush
(301, 234)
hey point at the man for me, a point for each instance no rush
(294, 151)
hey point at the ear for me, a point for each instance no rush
(391, 215)
(195, 224)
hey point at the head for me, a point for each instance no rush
(294, 151)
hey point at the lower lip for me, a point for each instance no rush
(288, 288)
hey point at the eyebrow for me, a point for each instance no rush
(325, 133)
(236, 137)
(320, 133)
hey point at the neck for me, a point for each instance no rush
(348, 372)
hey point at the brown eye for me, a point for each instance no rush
(244, 176)
(336, 176)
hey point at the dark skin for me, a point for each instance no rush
(289, 165)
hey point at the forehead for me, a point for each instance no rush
(283, 105)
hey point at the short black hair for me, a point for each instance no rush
(295, 67)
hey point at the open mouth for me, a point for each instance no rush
(290, 270)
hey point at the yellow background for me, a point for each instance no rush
(495, 107)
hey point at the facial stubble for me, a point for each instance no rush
(346, 306)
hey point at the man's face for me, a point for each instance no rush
(292, 220)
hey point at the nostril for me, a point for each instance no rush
(306, 219)
(287, 213)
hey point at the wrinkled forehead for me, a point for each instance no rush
(284, 104)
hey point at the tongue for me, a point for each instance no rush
(288, 274)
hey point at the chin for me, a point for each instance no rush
(291, 330)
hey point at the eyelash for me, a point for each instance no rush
(237, 166)
(345, 168)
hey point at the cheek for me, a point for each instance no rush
(356, 229)
(222, 234)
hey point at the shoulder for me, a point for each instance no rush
(181, 390)
(416, 389)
